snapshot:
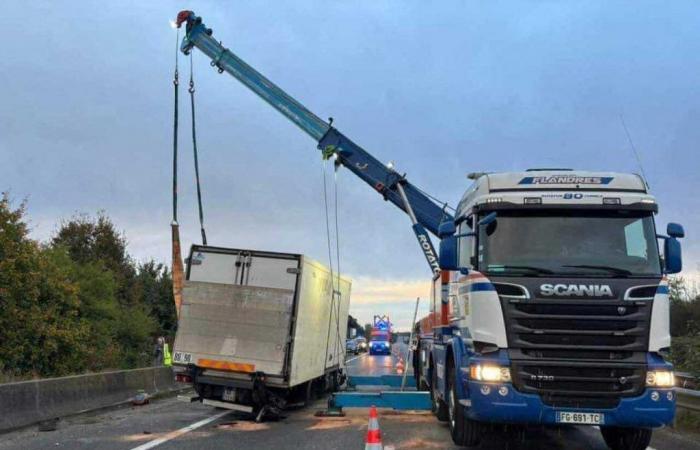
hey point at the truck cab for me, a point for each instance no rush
(558, 308)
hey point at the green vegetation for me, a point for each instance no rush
(685, 328)
(79, 302)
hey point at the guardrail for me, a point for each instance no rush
(688, 399)
(686, 380)
(29, 402)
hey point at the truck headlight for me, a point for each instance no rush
(660, 378)
(490, 373)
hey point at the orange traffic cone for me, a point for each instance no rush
(374, 436)
(400, 367)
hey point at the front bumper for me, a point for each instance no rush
(516, 407)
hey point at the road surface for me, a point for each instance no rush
(169, 425)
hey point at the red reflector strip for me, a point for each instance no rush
(225, 365)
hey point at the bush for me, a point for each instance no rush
(685, 354)
(41, 330)
(78, 303)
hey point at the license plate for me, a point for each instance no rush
(580, 418)
(229, 395)
(180, 357)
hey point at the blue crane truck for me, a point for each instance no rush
(550, 298)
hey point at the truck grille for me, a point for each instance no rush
(578, 384)
(578, 352)
(577, 329)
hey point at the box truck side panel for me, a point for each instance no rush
(314, 315)
(235, 324)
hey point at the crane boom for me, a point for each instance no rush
(423, 212)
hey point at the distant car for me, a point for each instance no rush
(361, 344)
(351, 346)
(379, 347)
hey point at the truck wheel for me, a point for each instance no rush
(439, 408)
(618, 438)
(464, 431)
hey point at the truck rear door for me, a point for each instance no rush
(237, 310)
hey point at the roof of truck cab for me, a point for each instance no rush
(562, 180)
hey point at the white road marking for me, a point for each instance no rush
(353, 359)
(177, 433)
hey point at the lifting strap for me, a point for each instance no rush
(196, 159)
(177, 265)
(336, 296)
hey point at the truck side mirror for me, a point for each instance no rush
(675, 230)
(448, 253)
(446, 229)
(673, 260)
(672, 255)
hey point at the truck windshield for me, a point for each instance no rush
(568, 242)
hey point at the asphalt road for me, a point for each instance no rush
(169, 424)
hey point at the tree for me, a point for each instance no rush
(41, 331)
(368, 330)
(125, 304)
(154, 287)
(95, 240)
(685, 310)
(79, 302)
(685, 327)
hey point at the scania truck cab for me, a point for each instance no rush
(558, 309)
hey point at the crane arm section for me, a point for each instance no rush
(424, 213)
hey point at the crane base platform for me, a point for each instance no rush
(409, 399)
(393, 381)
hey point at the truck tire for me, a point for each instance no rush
(439, 408)
(464, 431)
(618, 438)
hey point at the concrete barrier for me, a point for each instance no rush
(29, 402)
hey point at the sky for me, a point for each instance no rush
(440, 88)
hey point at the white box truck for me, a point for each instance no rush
(258, 330)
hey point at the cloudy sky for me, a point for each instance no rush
(441, 88)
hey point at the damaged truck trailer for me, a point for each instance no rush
(260, 330)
